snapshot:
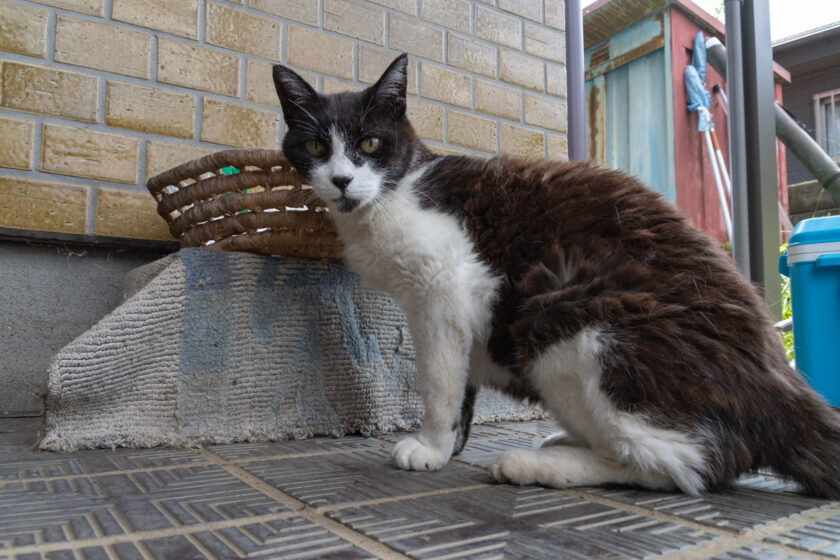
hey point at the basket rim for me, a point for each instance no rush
(257, 157)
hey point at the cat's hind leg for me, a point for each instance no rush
(561, 466)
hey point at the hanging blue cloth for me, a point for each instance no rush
(696, 95)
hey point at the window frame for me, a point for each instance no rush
(832, 98)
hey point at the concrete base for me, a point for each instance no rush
(51, 293)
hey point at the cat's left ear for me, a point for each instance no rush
(391, 87)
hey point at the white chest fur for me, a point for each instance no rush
(422, 258)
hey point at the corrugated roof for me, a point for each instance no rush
(607, 17)
(807, 35)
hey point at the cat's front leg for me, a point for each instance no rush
(442, 362)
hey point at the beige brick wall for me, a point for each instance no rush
(96, 96)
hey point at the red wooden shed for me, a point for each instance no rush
(636, 52)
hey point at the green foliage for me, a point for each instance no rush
(787, 311)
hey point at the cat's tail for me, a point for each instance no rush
(813, 458)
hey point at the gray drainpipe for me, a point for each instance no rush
(576, 128)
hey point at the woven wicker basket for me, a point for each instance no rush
(262, 208)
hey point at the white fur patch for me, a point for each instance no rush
(568, 376)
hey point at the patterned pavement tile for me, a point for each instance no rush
(477, 432)
(538, 428)
(482, 452)
(245, 451)
(756, 552)
(294, 537)
(751, 502)
(88, 507)
(822, 537)
(515, 522)
(350, 477)
(28, 464)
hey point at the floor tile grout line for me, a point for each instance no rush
(757, 536)
(9, 482)
(203, 463)
(314, 515)
(139, 536)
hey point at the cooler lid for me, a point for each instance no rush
(816, 230)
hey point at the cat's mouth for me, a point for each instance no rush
(346, 204)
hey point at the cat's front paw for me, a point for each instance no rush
(413, 454)
(514, 466)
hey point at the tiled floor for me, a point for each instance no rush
(342, 498)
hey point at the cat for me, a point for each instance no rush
(564, 284)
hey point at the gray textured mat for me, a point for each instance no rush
(221, 347)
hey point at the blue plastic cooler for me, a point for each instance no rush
(812, 262)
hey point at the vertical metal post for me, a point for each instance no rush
(737, 137)
(760, 120)
(576, 127)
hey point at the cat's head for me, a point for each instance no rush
(352, 147)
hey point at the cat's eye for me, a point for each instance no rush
(315, 147)
(371, 144)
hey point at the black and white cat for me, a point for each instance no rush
(566, 284)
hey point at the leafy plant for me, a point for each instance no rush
(787, 310)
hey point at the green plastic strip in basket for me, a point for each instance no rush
(231, 170)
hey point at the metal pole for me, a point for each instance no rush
(733, 68)
(760, 121)
(576, 128)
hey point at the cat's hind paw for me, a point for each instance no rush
(513, 466)
(413, 454)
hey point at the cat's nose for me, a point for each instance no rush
(341, 181)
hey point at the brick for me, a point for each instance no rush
(545, 43)
(445, 85)
(259, 83)
(102, 46)
(555, 77)
(521, 70)
(372, 62)
(163, 156)
(352, 18)
(454, 14)
(449, 151)
(23, 29)
(43, 206)
(497, 100)
(557, 147)
(148, 109)
(50, 92)
(523, 142)
(545, 112)
(306, 49)
(471, 55)
(407, 6)
(79, 152)
(427, 119)
(412, 36)
(331, 86)
(530, 9)
(243, 31)
(470, 131)
(496, 27)
(16, 139)
(194, 67)
(90, 7)
(304, 11)
(555, 14)
(129, 214)
(235, 125)
(178, 18)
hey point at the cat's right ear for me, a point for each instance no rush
(296, 96)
